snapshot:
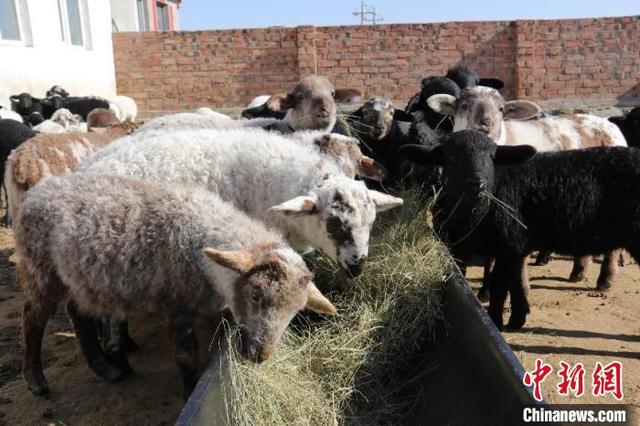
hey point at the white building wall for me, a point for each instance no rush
(124, 14)
(81, 71)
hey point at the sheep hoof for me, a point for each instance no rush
(119, 360)
(542, 259)
(36, 382)
(483, 295)
(576, 278)
(603, 286)
(39, 390)
(112, 374)
(516, 322)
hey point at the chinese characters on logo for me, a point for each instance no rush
(605, 379)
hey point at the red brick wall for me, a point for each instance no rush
(597, 59)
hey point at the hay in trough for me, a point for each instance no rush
(349, 369)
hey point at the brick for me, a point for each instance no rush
(586, 58)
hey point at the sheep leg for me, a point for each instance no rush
(185, 345)
(115, 337)
(497, 293)
(543, 258)
(34, 321)
(85, 329)
(608, 270)
(5, 218)
(483, 293)
(519, 292)
(621, 260)
(580, 265)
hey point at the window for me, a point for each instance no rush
(143, 15)
(75, 26)
(14, 21)
(9, 28)
(162, 15)
(75, 23)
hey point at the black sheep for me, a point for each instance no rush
(12, 134)
(25, 105)
(57, 90)
(428, 126)
(629, 124)
(377, 124)
(466, 77)
(82, 105)
(497, 204)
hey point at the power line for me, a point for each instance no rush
(368, 13)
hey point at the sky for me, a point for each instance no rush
(225, 14)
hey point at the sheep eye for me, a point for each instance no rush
(464, 107)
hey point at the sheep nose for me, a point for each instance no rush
(356, 268)
(477, 184)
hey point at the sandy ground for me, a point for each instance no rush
(571, 322)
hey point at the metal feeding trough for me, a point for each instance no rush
(470, 375)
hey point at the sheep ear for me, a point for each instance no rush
(280, 102)
(413, 104)
(400, 115)
(299, 206)
(422, 155)
(384, 201)
(511, 155)
(443, 103)
(617, 120)
(521, 110)
(348, 96)
(316, 301)
(371, 169)
(496, 83)
(428, 79)
(240, 261)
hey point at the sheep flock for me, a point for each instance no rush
(316, 200)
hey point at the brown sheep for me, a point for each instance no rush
(52, 154)
(100, 118)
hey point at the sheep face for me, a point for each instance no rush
(346, 152)
(468, 159)
(274, 284)
(377, 117)
(482, 109)
(336, 217)
(310, 105)
(57, 90)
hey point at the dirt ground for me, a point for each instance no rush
(568, 322)
(572, 322)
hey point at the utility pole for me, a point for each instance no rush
(368, 13)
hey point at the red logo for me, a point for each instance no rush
(572, 379)
(607, 379)
(536, 377)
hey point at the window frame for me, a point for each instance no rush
(161, 12)
(85, 25)
(144, 4)
(17, 5)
